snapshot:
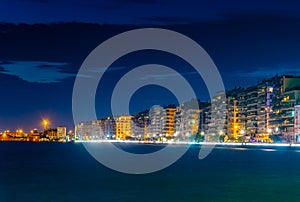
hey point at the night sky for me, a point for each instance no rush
(43, 44)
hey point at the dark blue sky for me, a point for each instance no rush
(248, 41)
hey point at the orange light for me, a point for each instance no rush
(45, 123)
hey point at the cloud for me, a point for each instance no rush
(36, 71)
(93, 71)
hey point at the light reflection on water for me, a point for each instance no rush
(66, 172)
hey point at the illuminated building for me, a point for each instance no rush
(157, 121)
(216, 117)
(108, 127)
(284, 98)
(189, 120)
(50, 135)
(61, 133)
(297, 123)
(266, 109)
(287, 112)
(18, 135)
(242, 113)
(252, 111)
(235, 114)
(34, 136)
(123, 127)
(89, 131)
(169, 121)
(188, 123)
(139, 125)
(233, 126)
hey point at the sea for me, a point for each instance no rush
(67, 172)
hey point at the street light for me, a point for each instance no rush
(45, 123)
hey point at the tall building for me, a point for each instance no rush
(169, 121)
(235, 114)
(252, 111)
(189, 123)
(157, 121)
(242, 112)
(268, 108)
(88, 131)
(297, 123)
(61, 132)
(161, 122)
(216, 117)
(139, 125)
(108, 127)
(290, 100)
(280, 110)
(123, 127)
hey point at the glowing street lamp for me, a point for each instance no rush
(45, 123)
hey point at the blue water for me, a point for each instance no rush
(66, 172)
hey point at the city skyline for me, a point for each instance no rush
(266, 112)
(268, 108)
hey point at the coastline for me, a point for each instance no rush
(191, 143)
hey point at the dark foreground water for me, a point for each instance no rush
(66, 172)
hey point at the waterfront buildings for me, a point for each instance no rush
(169, 121)
(17, 135)
(189, 120)
(297, 122)
(139, 125)
(266, 112)
(61, 133)
(156, 121)
(215, 123)
(108, 127)
(258, 113)
(267, 109)
(88, 131)
(123, 127)
(49, 134)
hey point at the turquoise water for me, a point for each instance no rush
(66, 172)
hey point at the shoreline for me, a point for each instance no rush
(191, 143)
(160, 143)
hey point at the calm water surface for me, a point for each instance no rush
(66, 172)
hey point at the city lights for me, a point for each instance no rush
(45, 123)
